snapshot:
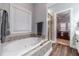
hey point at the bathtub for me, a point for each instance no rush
(20, 47)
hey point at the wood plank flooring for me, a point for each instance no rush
(63, 41)
(63, 50)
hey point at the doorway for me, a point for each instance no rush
(49, 26)
(63, 27)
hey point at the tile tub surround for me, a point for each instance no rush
(43, 50)
(20, 47)
(21, 36)
(15, 46)
(35, 35)
(16, 37)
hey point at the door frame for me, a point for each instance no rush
(53, 14)
(55, 18)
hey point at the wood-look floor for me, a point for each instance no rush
(63, 41)
(63, 50)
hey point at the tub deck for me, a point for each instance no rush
(19, 47)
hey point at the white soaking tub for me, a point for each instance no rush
(20, 47)
(43, 50)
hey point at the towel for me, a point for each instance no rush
(4, 26)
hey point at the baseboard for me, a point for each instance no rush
(48, 52)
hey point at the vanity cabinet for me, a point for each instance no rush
(65, 35)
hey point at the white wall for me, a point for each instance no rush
(28, 6)
(40, 15)
(75, 18)
(6, 6)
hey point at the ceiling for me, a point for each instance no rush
(50, 4)
(64, 14)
